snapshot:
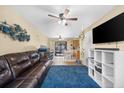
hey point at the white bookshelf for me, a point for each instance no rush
(98, 78)
(106, 83)
(98, 56)
(106, 67)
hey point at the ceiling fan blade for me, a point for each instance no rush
(73, 19)
(66, 12)
(53, 16)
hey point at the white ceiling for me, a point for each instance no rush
(86, 14)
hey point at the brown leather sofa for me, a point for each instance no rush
(23, 70)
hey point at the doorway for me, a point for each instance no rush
(60, 47)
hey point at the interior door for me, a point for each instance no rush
(60, 47)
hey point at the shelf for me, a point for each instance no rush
(91, 61)
(91, 76)
(98, 73)
(91, 64)
(99, 82)
(98, 78)
(99, 67)
(109, 65)
(99, 70)
(91, 72)
(106, 83)
(98, 56)
(90, 58)
(108, 58)
(98, 61)
(110, 78)
(98, 50)
(109, 51)
(102, 68)
(91, 67)
(108, 72)
(91, 53)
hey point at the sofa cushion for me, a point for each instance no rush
(5, 72)
(48, 63)
(19, 80)
(15, 84)
(25, 76)
(34, 57)
(27, 73)
(29, 83)
(19, 62)
(26, 69)
(38, 72)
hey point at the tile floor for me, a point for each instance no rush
(59, 60)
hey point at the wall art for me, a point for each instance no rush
(15, 31)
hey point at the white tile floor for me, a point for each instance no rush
(59, 60)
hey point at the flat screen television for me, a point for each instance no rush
(110, 31)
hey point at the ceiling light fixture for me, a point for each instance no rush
(60, 38)
(63, 17)
(63, 22)
(59, 22)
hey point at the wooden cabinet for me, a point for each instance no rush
(74, 46)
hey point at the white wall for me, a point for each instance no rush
(86, 45)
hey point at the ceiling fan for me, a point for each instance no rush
(63, 17)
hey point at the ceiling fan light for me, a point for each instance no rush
(59, 22)
(64, 21)
(60, 38)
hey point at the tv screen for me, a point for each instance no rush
(110, 31)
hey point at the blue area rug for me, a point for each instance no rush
(68, 77)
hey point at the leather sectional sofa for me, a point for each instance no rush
(23, 70)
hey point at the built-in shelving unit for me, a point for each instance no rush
(103, 67)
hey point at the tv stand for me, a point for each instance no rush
(113, 49)
(105, 67)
